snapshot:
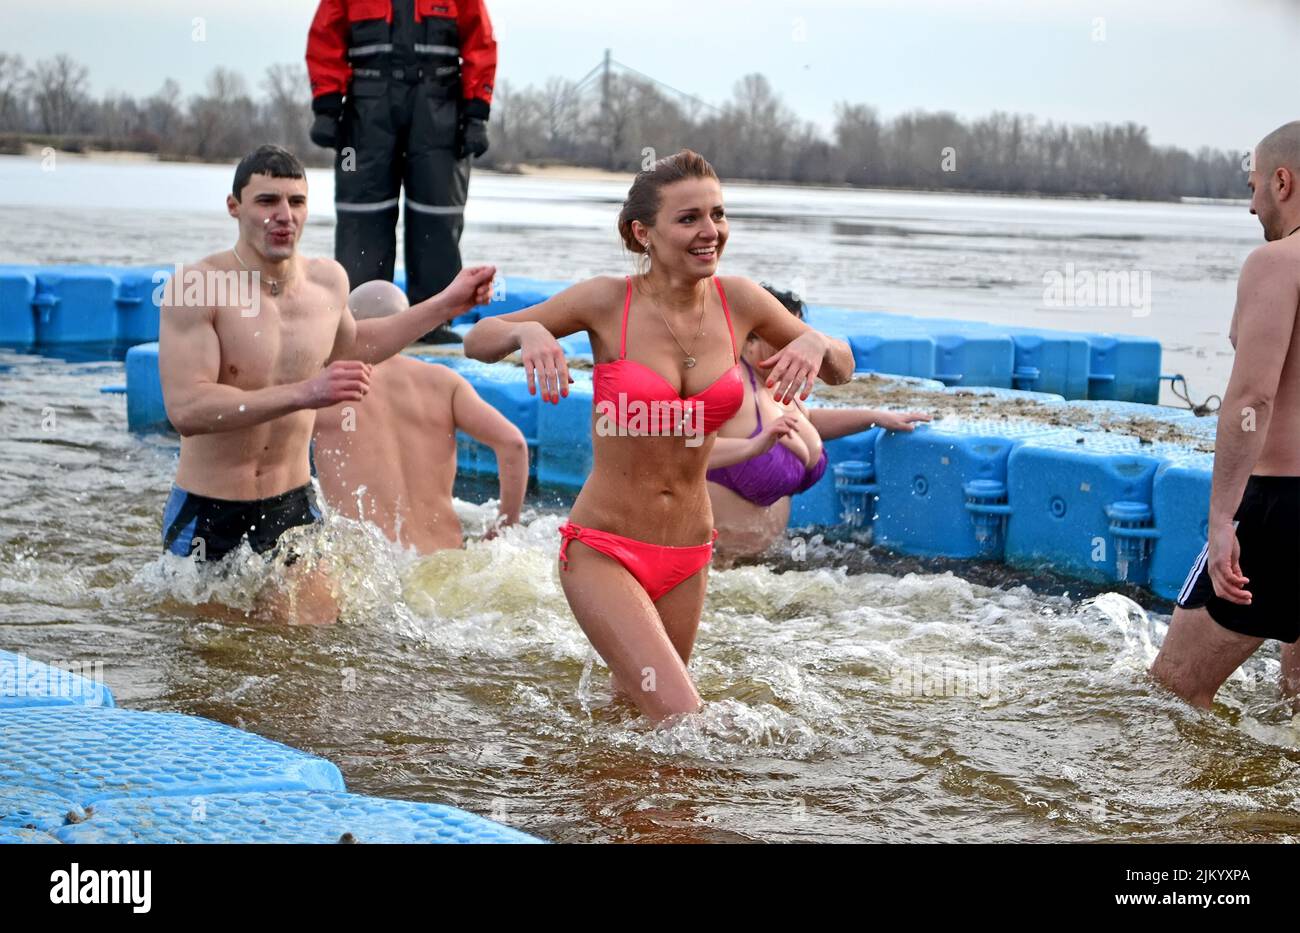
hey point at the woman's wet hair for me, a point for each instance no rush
(645, 196)
(793, 303)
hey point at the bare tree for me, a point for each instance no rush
(58, 89)
(13, 102)
(561, 110)
(754, 135)
(224, 121)
(288, 108)
(162, 117)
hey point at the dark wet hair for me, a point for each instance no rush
(275, 161)
(793, 303)
(644, 197)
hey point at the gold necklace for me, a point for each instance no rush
(690, 359)
(275, 284)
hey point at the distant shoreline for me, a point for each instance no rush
(589, 173)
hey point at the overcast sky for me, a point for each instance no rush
(1197, 72)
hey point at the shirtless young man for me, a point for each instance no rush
(391, 459)
(1245, 587)
(242, 375)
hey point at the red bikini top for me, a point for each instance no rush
(640, 398)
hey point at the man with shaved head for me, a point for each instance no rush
(391, 458)
(1245, 586)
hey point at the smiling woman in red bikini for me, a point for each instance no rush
(640, 535)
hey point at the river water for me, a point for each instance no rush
(851, 695)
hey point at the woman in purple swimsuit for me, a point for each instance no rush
(769, 452)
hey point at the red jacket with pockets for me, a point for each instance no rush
(327, 41)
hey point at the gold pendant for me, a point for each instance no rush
(690, 361)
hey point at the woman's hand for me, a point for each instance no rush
(904, 421)
(794, 367)
(773, 431)
(543, 361)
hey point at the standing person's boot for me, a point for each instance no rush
(441, 334)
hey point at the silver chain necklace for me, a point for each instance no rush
(276, 284)
(690, 359)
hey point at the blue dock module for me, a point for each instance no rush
(1100, 412)
(139, 296)
(504, 386)
(144, 399)
(27, 682)
(1042, 398)
(75, 304)
(88, 755)
(904, 350)
(1125, 369)
(1052, 361)
(564, 436)
(822, 505)
(292, 817)
(1206, 428)
(1181, 502)
(885, 343)
(17, 312)
(39, 810)
(972, 356)
(1083, 504)
(943, 487)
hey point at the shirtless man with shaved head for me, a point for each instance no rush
(1245, 586)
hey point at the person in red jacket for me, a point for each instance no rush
(401, 90)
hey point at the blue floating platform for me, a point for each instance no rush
(26, 807)
(564, 452)
(25, 682)
(1123, 368)
(821, 505)
(87, 755)
(1181, 502)
(504, 386)
(943, 487)
(1056, 362)
(1097, 412)
(906, 351)
(75, 305)
(1044, 398)
(973, 357)
(1083, 504)
(17, 292)
(283, 817)
(25, 837)
(145, 410)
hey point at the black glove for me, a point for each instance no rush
(325, 128)
(473, 138)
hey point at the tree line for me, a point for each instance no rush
(627, 119)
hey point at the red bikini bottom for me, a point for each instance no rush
(657, 567)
